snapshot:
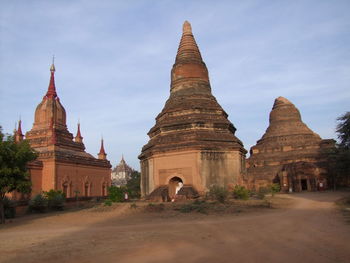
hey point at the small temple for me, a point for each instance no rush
(62, 162)
(121, 173)
(289, 153)
(192, 144)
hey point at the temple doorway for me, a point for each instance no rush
(303, 183)
(175, 184)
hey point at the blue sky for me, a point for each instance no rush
(113, 62)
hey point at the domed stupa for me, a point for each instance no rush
(192, 143)
(289, 152)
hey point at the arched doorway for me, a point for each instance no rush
(175, 185)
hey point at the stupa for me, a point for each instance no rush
(192, 144)
(289, 152)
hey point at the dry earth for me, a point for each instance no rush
(309, 228)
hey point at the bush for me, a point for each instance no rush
(56, 199)
(197, 206)
(263, 191)
(9, 208)
(38, 203)
(108, 202)
(116, 194)
(218, 193)
(275, 188)
(240, 192)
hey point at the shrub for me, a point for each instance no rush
(38, 203)
(108, 202)
(197, 206)
(56, 199)
(275, 188)
(9, 208)
(240, 192)
(218, 193)
(263, 191)
(116, 194)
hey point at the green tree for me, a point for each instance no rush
(13, 171)
(343, 130)
(133, 185)
(338, 158)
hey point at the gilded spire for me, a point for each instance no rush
(51, 92)
(52, 68)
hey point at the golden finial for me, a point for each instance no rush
(52, 68)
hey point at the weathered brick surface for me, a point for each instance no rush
(191, 129)
(288, 152)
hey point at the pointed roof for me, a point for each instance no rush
(51, 92)
(102, 149)
(19, 130)
(78, 132)
(188, 49)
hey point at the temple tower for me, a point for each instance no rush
(192, 142)
(64, 163)
(289, 152)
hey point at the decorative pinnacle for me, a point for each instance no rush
(52, 68)
(186, 28)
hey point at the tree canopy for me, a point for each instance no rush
(343, 130)
(13, 167)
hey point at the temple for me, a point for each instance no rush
(193, 144)
(62, 162)
(289, 153)
(121, 173)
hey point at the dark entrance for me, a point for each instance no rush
(174, 184)
(303, 184)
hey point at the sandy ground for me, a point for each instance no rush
(308, 229)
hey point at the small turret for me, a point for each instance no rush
(102, 154)
(18, 133)
(78, 137)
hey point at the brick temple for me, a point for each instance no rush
(289, 153)
(193, 144)
(62, 163)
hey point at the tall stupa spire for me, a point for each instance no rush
(189, 66)
(51, 92)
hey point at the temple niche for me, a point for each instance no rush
(62, 162)
(289, 153)
(193, 145)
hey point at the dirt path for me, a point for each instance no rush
(311, 230)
